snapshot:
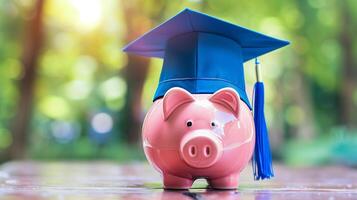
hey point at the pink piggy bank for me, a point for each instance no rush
(190, 136)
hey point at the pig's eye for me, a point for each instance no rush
(213, 124)
(189, 123)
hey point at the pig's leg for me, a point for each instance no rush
(227, 182)
(175, 182)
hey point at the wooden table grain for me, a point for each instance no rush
(106, 180)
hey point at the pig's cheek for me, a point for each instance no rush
(236, 134)
(171, 133)
(219, 131)
(223, 128)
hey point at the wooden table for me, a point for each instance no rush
(106, 180)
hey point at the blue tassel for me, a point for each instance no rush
(262, 161)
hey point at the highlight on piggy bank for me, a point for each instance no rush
(202, 123)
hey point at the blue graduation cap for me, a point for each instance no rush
(203, 54)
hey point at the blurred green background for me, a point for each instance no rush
(67, 91)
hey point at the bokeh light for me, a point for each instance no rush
(102, 123)
(89, 12)
(64, 131)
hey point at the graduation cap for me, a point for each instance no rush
(203, 54)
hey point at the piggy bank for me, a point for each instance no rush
(190, 136)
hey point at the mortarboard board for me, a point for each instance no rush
(203, 54)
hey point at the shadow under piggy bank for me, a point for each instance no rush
(213, 195)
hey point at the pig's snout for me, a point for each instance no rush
(200, 148)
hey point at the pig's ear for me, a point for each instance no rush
(174, 98)
(228, 98)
